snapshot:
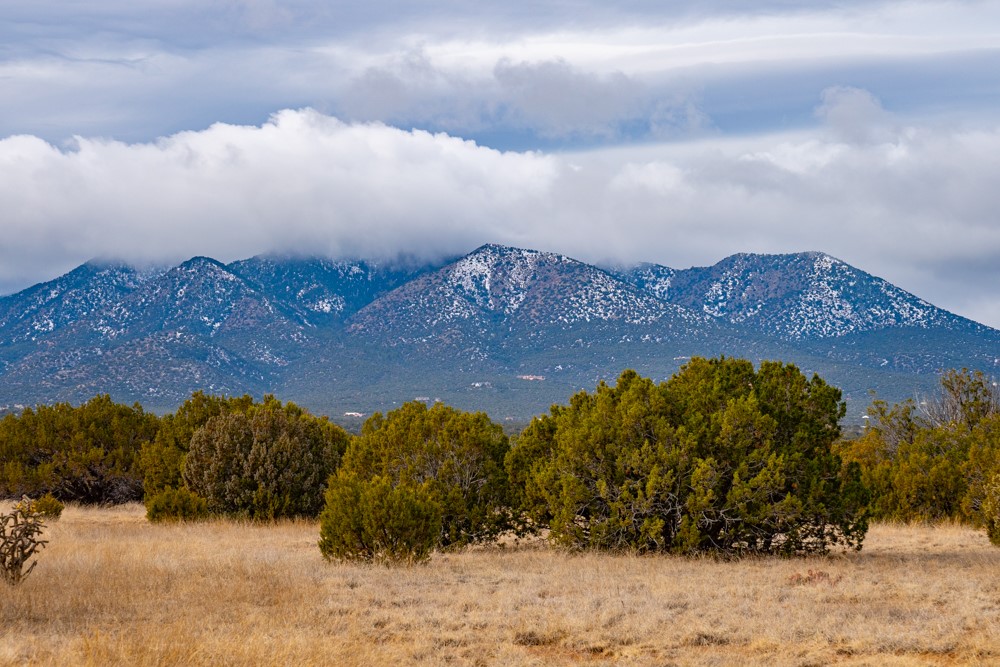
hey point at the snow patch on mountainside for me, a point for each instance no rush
(842, 300)
(802, 296)
(515, 287)
(653, 279)
(497, 278)
(48, 308)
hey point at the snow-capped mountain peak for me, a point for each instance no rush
(514, 288)
(796, 296)
(87, 291)
(497, 278)
(312, 328)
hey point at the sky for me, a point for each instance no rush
(611, 132)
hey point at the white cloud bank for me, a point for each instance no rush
(916, 205)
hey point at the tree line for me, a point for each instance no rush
(936, 457)
(721, 458)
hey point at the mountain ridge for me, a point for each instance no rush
(805, 289)
(331, 333)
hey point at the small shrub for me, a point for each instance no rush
(47, 506)
(371, 520)
(458, 457)
(162, 459)
(176, 505)
(161, 462)
(20, 540)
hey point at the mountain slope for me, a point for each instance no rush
(500, 287)
(195, 326)
(319, 290)
(202, 296)
(502, 329)
(652, 279)
(795, 297)
(87, 292)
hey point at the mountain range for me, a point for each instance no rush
(502, 329)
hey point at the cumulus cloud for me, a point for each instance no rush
(911, 210)
(303, 182)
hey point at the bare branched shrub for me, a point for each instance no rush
(965, 399)
(20, 540)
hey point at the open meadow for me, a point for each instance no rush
(111, 588)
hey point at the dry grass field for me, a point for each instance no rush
(111, 589)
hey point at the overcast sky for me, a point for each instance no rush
(155, 131)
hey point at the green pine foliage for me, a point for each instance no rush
(415, 480)
(935, 459)
(270, 461)
(458, 457)
(87, 453)
(991, 508)
(163, 457)
(719, 459)
(377, 520)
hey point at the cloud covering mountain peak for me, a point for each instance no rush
(307, 182)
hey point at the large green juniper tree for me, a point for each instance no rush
(721, 458)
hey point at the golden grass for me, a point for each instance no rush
(113, 589)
